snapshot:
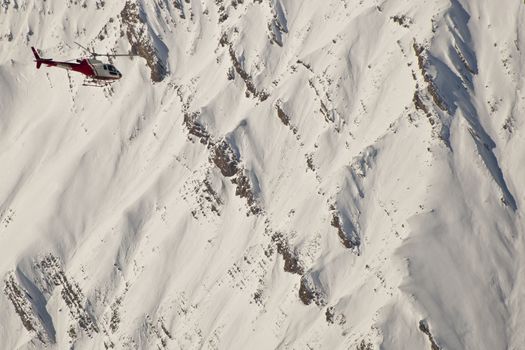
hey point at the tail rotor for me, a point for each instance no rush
(37, 56)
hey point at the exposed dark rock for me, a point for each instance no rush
(350, 241)
(432, 90)
(330, 314)
(310, 162)
(231, 73)
(465, 63)
(308, 292)
(291, 260)
(431, 87)
(71, 293)
(165, 330)
(364, 345)
(221, 9)
(19, 299)
(333, 318)
(244, 190)
(212, 197)
(282, 115)
(208, 200)
(276, 28)
(225, 159)
(418, 50)
(141, 44)
(250, 86)
(223, 156)
(236, 3)
(420, 105)
(325, 112)
(402, 20)
(114, 322)
(159, 332)
(509, 124)
(258, 297)
(305, 293)
(223, 41)
(178, 4)
(195, 128)
(305, 65)
(423, 327)
(276, 32)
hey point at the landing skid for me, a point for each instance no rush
(96, 83)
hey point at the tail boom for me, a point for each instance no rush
(82, 67)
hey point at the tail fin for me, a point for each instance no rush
(37, 56)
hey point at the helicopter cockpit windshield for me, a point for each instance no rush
(112, 70)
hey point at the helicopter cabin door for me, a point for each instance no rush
(103, 70)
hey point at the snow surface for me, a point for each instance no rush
(335, 174)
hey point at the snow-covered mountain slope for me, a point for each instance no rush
(335, 174)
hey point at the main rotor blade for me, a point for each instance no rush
(95, 54)
(122, 55)
(85, 48)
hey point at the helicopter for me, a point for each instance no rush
(97, 72)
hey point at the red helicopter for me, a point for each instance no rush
(97, 72)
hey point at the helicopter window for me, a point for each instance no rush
(105, 67)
